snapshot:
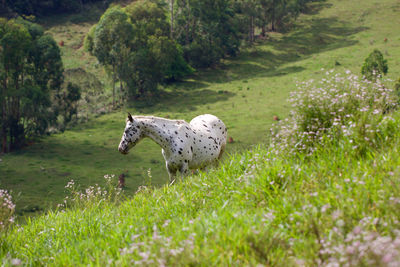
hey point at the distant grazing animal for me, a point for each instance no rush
(184, 145)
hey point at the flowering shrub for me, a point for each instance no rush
(7, 208)
(335, 107)
(93, 194)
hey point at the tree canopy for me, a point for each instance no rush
(149, 42)
(374, 66)
(134, 46)
(30, 68)
(42, 7)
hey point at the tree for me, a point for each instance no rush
(110, 41)
(135, 45)
(30, 67)
(206, 30)
(67, 102)
(43, 7)
(374, 66)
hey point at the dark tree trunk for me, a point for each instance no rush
(172, 18)
(4, 129)
(251, 30)
(113, 93)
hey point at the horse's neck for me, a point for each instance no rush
(157, 129)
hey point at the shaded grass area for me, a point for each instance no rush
(245, 92)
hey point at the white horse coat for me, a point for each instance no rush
(184, 145)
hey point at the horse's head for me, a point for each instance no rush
(132, 135)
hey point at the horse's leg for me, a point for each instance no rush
(184, 169)
(171, 169)
(171, 172)
(221, 151)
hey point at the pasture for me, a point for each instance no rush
(245, 92)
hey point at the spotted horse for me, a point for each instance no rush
(185, 146)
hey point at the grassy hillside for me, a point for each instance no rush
(335, 204)
(245, 92)
(260, 207)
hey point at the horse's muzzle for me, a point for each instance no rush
(122, 151)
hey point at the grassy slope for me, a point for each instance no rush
(253, 209)
(245, 93)
(228, 209)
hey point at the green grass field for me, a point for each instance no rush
(338, 206)
(332, 208)
(245, 92)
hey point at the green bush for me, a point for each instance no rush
(374, 66)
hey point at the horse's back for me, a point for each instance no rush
(209, 140)
(211, 124)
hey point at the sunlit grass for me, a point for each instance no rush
(245, 92)
(255, 208)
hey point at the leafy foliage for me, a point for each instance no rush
(43, 7)
(206, 30)
(66, 102)
(140, 49)
(134, 46)
(30, 68)
(374, 66)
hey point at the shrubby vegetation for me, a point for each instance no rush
(374, 66)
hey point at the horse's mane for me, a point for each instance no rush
(157, 118)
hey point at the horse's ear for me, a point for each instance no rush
(130, 117)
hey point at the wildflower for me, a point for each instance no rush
(16, 262)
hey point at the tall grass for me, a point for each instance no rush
(331, 207)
